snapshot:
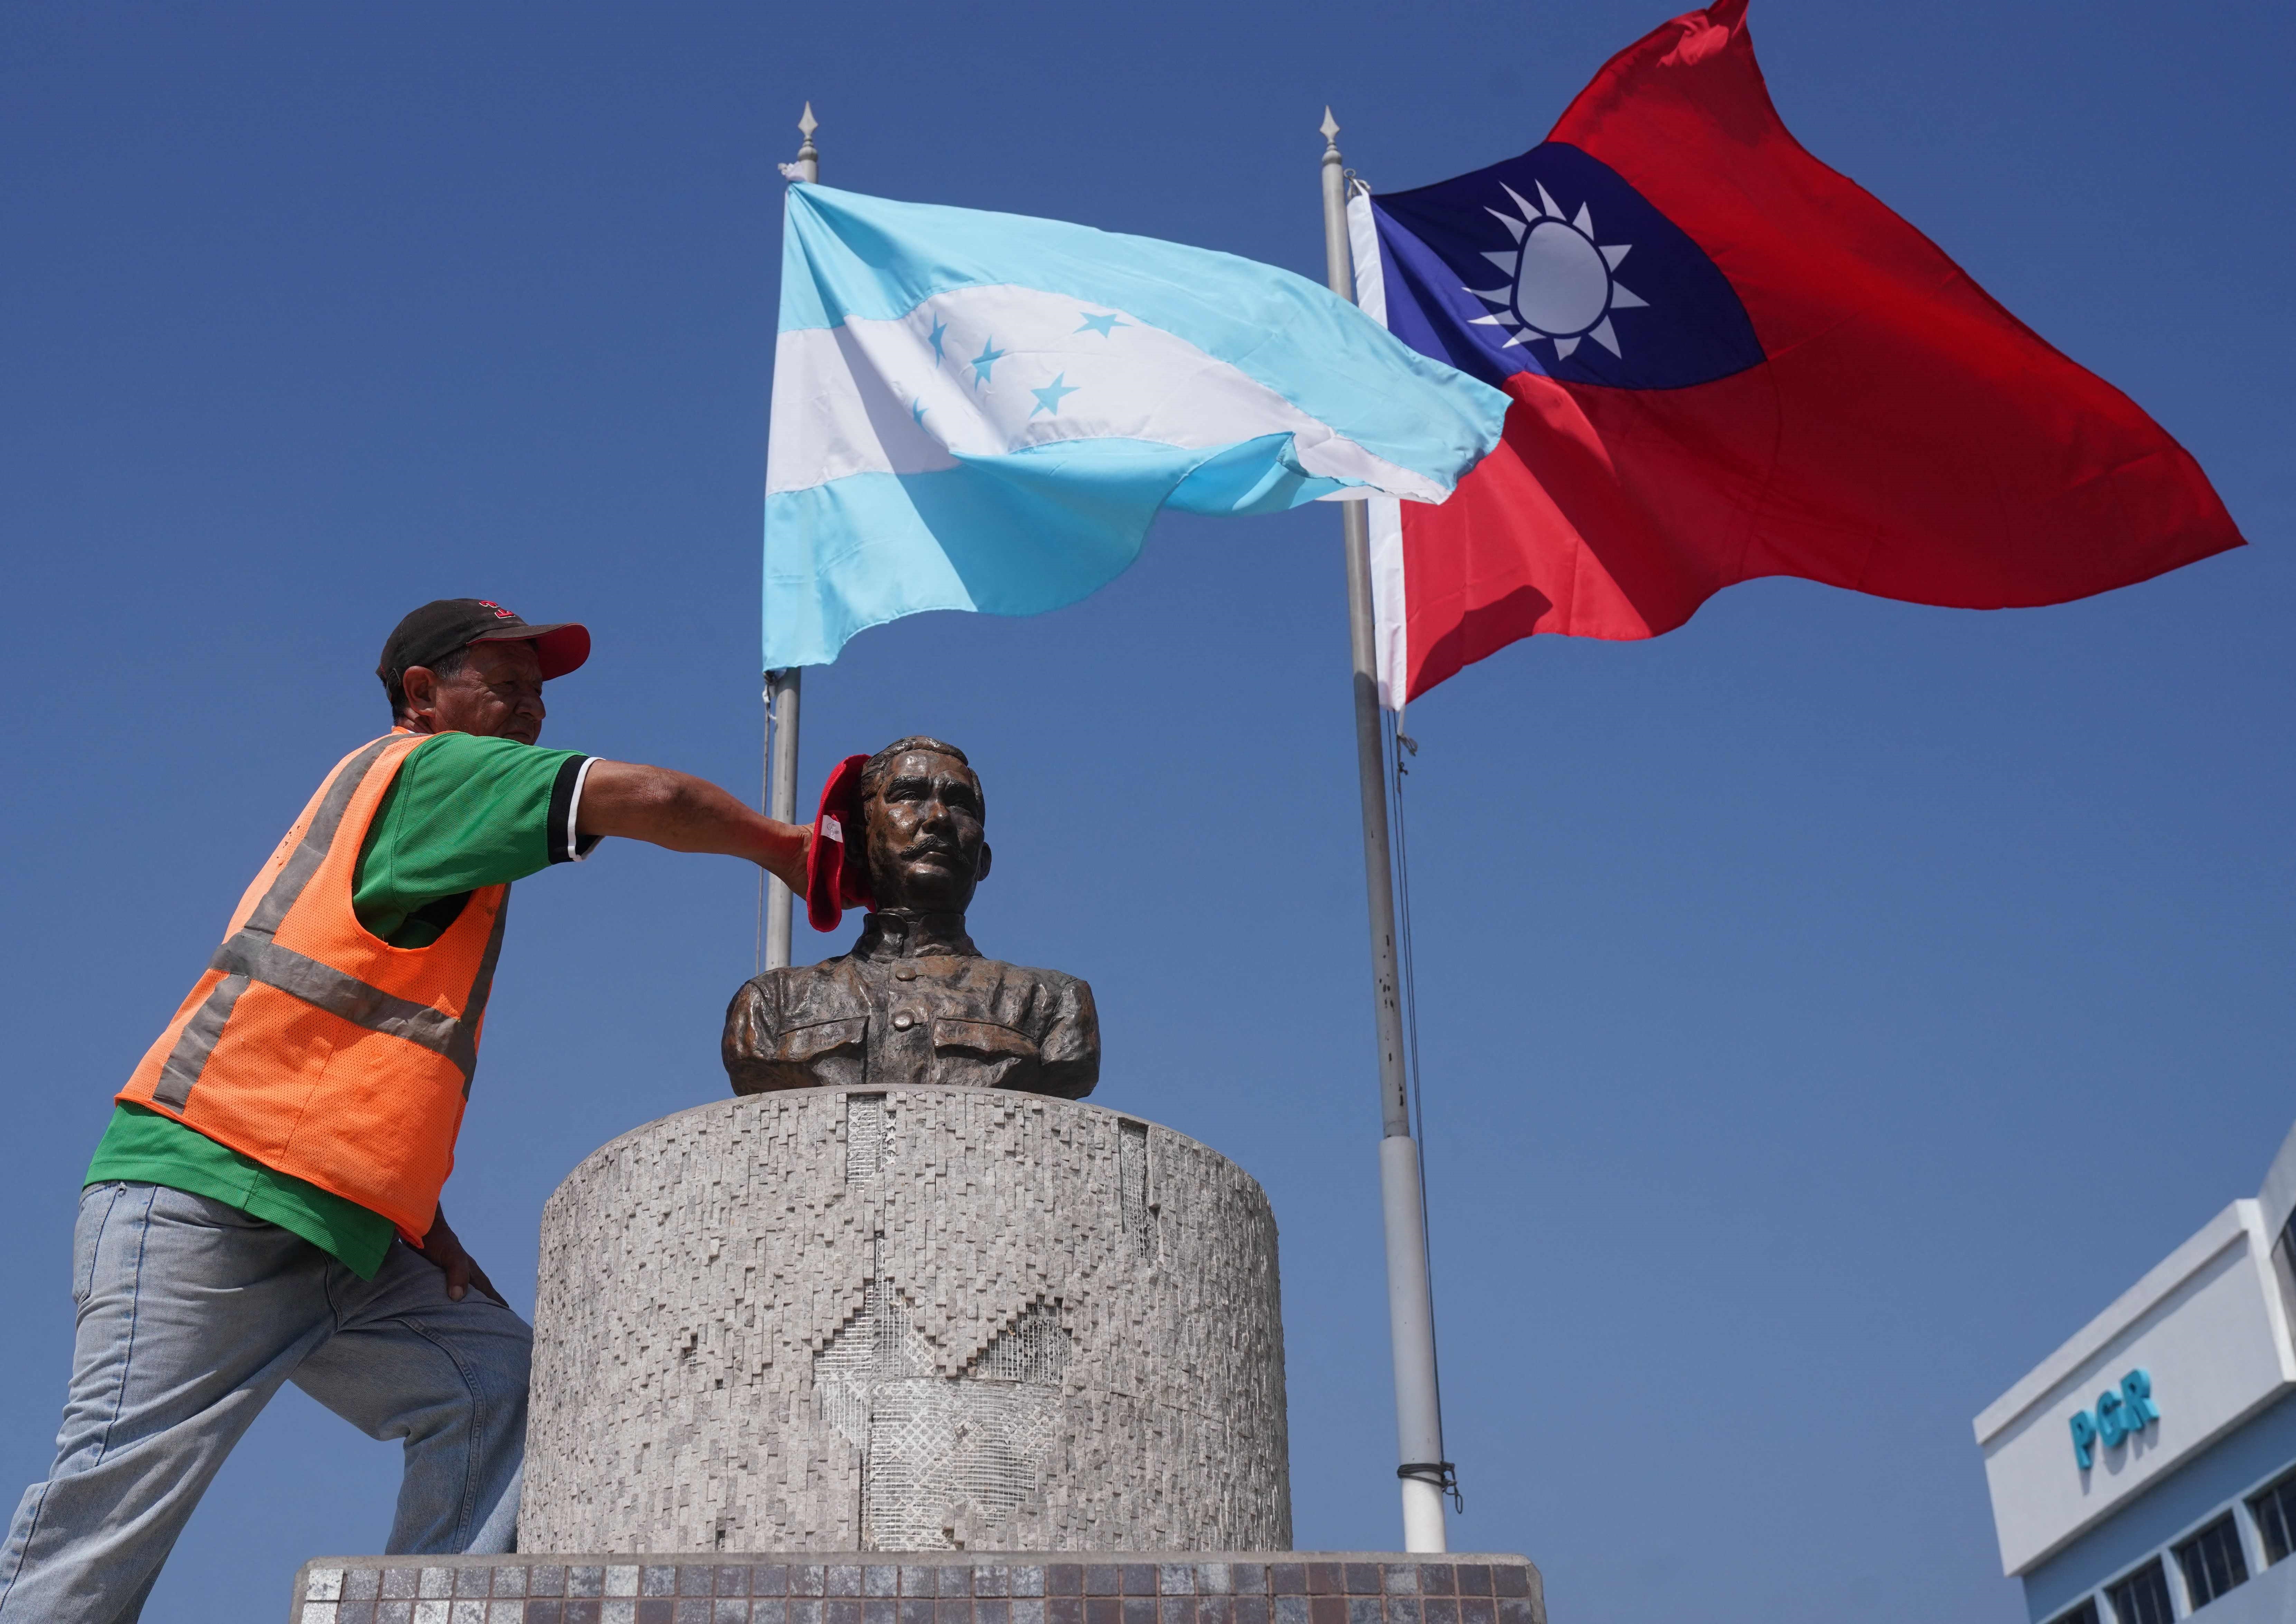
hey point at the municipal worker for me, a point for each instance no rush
(263, 1207)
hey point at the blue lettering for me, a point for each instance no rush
(2136, 1393)
(2122, 1412)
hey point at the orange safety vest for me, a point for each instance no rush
(317, 1047)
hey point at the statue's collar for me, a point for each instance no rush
(914, 936)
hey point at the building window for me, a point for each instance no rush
(2141, 1598)
(2276, 1519)
(2086, 1613)
(2212, 1561)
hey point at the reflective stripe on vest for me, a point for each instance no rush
(249, 954)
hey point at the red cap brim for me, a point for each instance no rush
(561, 648)
(836, 875)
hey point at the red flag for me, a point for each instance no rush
(1727, 362)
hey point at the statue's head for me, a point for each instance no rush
(922, 817)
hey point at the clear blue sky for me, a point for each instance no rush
(1827, 1007)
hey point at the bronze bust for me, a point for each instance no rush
(915, 1002)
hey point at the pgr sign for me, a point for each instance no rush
(2122, 1411)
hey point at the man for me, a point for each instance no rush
(915, 1001)
(263, 1207)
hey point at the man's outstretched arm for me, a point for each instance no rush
(687, 814)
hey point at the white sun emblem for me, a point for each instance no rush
(1560, 286)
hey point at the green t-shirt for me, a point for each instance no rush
(463, 813)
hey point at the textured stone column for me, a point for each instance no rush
(915, 1319)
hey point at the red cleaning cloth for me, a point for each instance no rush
(836, 871)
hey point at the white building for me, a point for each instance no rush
(2146, 1470)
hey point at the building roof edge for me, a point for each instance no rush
(2277, 1196)
(2227, 1227)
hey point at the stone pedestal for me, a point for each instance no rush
(916, 1319)
(947, 1588)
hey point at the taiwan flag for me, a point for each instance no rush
(1725, 361)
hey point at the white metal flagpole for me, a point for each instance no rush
(782, 688)
(1425, 1474)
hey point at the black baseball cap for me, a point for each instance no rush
(438, 630)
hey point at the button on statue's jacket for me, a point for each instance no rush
(913, 1003)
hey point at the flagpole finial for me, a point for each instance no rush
(807, 165)
(1330, 128)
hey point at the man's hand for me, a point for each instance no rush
(687, 814)
(443, 1249)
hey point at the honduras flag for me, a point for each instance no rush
(985, 411)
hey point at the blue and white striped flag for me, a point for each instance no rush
(985, 411)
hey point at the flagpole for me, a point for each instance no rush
(783, 688)
(1425, 1474)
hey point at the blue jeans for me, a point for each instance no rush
(191, 1315)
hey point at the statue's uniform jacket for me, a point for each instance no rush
(913, 1003)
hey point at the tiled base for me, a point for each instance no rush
(928, 1588)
